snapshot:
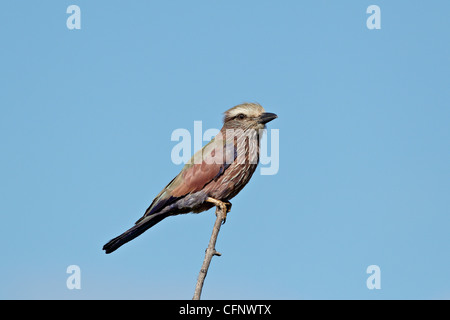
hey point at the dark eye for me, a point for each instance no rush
(241, 116)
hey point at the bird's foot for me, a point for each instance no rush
(227, 205)
(221, 207)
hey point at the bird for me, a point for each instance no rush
(214, 175)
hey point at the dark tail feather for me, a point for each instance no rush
(133, 232)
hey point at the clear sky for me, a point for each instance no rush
(86, 118)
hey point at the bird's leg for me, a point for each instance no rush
(222, 207)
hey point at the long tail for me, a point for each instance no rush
(141, 226)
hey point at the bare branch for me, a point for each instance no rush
(221, 214)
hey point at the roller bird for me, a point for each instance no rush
(214, 175)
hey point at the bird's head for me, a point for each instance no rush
(247, 116)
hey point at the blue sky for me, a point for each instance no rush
(86, 119)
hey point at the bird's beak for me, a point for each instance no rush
(267, 117)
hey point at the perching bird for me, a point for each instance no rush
(217, 172)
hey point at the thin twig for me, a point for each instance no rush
(221, 214)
